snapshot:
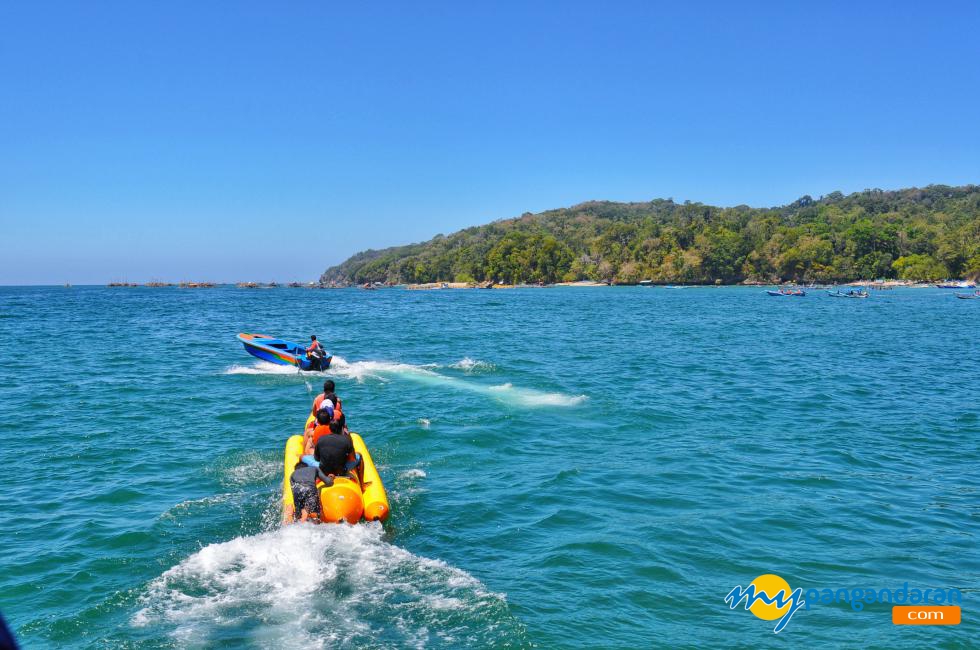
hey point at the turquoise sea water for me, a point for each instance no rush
(567, 467)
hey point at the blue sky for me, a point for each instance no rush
(258, 140)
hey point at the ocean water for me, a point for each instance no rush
(568, 468)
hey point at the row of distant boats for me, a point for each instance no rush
(837, 293)
(799, 292)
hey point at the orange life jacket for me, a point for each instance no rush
(336, 408)
(319, 431)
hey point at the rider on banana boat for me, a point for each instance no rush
(339, 441)
(329, 403)
(329, 389)
(305, 496)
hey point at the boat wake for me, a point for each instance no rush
(531, 397)
(385, 371)
(262, 368)
(507, 393)
(379, 370)
(323, 586)
(468, 365)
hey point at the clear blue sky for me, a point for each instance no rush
(268, 140)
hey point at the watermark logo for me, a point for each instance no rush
(768, 597)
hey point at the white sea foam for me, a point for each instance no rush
(385, 371)
(359, 370)
(249, 470)
(531, 397)
(425, 422)
(412, 473)
(472, 365)
(381, 370)
(194, 504)
(262, 368)
(319, 586)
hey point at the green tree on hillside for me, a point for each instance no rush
(920, 267)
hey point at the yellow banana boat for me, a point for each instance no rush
(349, 498)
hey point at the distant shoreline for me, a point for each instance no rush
(435, 286)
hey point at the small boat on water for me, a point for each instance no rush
(969, 296)
(853, 293)
(282, 352)
(358, 495)
(799, 293)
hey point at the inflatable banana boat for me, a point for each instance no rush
(349, 498)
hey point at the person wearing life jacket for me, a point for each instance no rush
(327, 413)
(328, 390)
(315, 345)
(326, 454)
(331, 397)
(328, 421)
(315, 353)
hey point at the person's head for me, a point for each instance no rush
(329, 387)
(324, 416)
(312, 337)
(337, 426)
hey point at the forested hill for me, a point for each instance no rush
(917, 234)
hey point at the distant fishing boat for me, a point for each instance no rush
(798, 293)
(969, 296)
(646, 283)
(963, 284)
(853, 293)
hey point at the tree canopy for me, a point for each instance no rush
(915, 234)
